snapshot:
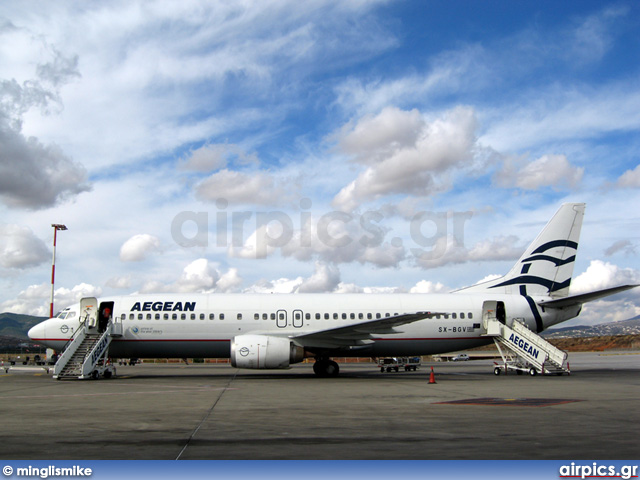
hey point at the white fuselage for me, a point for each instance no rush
(203, 325)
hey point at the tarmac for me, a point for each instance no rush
(174, 411)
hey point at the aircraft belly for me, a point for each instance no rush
(170, 349)
(426, 346)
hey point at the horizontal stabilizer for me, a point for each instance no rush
(584, 297)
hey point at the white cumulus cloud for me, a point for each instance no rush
(20, 248)
(547, 171)
(630, 178)
(138, 247)
(259, 188)
(601, 275)
(404, 153)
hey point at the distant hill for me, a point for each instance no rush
(15, 325)
(623, 327)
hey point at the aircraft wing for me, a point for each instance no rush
(584, 297)
(359, 334)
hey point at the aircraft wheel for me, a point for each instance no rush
(317, 367)
(107, 374)
(326, 368)
(532, 372)
(95, 375)
(496, 371)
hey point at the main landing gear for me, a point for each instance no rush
(325, 367)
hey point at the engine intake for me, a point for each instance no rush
(264, 352)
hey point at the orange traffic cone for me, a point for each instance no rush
(432, 377)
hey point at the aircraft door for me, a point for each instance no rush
(281, 318)
(298, 318)
(89, 312)
(104, 315)
(501, 314)
(493, 310)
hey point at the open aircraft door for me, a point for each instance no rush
(89, 313)
(493, 310)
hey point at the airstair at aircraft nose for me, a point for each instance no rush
(86, 354)
(524, 350)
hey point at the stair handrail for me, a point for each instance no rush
(555, 354)
(99, 349)
(70, 348)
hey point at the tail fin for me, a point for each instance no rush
(546, 266)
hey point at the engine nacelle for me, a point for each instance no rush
(263, 351)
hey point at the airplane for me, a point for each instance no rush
(273, 331)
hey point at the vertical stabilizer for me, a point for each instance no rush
(546, 266)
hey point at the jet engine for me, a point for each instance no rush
(263, 351)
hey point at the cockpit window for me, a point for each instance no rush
(63, 314)
(71, 314)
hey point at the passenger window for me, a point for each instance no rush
(352, 316)
(256, 316)
(202, 316)
(335, 316)
(470, 315)
(361, 316)
(239, 316)
(273, 316)
(378, 316)
(174, 316)
(454, 315)
(212, 316)
(297, 315)
(132, 316)
(123, 317)
(183, 316)
(326, 316)
(166, 316)
(307, 316)
(369, 316)
(265, 316)
(462, 315)
(221, 316)
(140, 316)
(148, 316)
(318, 316)
(344, 316)
(157, 316)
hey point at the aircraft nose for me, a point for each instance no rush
(37, 332)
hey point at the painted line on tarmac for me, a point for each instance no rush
(111, 394)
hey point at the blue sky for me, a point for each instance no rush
(128, 120)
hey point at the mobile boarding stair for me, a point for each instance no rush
(524, 351)
(86, 353)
